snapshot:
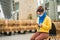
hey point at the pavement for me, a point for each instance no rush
(26, 36)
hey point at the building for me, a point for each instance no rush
(58, 9)
(23, 8)
(15, 13)
(53, 9)
(6, 6)
(1, 12)
(19, 9)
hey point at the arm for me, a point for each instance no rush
(47, 24)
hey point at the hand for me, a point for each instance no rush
(40, 25)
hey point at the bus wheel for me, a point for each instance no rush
(7, 33)
(33, 31)
(22, 32)
(18, 32)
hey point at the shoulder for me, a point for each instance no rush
(48, 18)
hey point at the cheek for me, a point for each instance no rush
(41, 13)
(38, 13)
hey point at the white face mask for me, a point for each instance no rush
(41, 15)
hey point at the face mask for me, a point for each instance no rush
(41, 15)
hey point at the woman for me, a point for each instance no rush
(44, 25)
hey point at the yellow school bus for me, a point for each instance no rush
(9, 27)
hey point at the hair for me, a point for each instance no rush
(40, 9)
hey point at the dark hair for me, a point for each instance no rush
(40, 9)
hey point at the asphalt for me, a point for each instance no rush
(26, 36)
